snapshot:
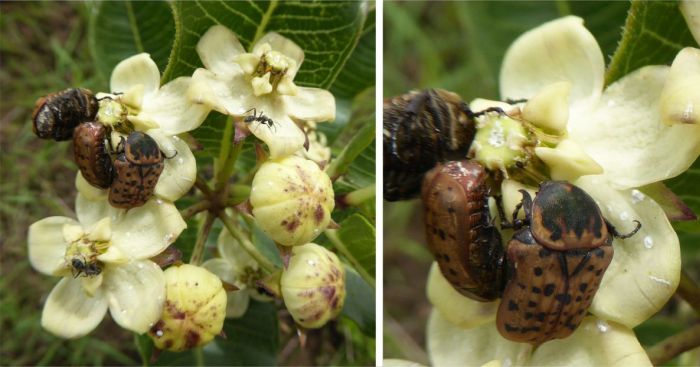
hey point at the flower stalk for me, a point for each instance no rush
(689, 291)
(245, 243)
(672, 346)
(202, 235)
(332, 235)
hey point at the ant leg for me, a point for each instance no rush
(516, 101)
(617, 234)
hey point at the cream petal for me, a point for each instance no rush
(100, 231)
(549, 108)
(680, 98)
(233, 253)
(560, 50)
(136, 292)
(400, 363)
(283, 138)
(594, 343)
(147, 230)
(568, 161)
(630, 293)
(47, 245)
(310, 104)
(286, 86)
(510, 190)
(113, 255)
(69, 312)
(691, 12)
(450, 345)
(248, 62)
(458, 309)
(624, 133)
(284, 46)
(222, 269)
(237, 303)
(171, 110)
(137, 69)
(88, 191)
(92, 284)
(228, 95)
(132, 97)
(218, 48)
(261, 85)
(89, 211)
(180, 169)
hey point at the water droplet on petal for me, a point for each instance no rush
(609, 207)
(311, 262)
(637, 196)
(176, 138)
(159, 333)
(648, 242)
(660, 280)
(140, 265)
(158, 201)
(602, 326)
(624, 215)
(168, 238)
(123, 311)
(180, 160)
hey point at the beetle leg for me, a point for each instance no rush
(617, 234)
(515, 101)
(483, 112)
(502, 212)
(174, 155)
(526, 204)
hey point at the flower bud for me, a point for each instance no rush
(499, 142)
(292, 200)
(194, 310)
(313, 285)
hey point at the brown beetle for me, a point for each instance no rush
(136, 171)
(466, 245)
(555, 263)
(91, 154)
(57, 114)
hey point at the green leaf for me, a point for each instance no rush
(358, 73)
(358, 236)
(327, 32)
(359, 302)
(122, 29)
(654, 33)
(686, 188)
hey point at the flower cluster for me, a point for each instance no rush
(134, 166)
(612, 142)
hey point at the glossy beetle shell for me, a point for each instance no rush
(555, 263)
(466, 246)
(56, 115)
(136, 171)
(421, 129)
(566, 217)
(91, 155)
(548, 292)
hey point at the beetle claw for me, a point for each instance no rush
(617, 234)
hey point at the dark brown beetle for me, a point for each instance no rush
(136, 171)
(466, 245)
(92, 155)
(555, 263)
(421, 129)
(57, 114)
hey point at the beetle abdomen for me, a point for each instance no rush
(459, 234)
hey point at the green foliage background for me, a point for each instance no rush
(459, 46)
(47, 47)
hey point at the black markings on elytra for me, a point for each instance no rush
(538, 271)
(531, 304)
(511, 328)
(512, 306)
(582, 287)
(564, 298)
(544, 252)
(536, 290)
(549, 289)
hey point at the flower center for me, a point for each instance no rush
(274, 63)
(81, 256)
(250, 276)
(113, 113)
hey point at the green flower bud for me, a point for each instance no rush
(313, 285)
(292, 200)
(194, 309)
(499, 142)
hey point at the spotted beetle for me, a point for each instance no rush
(56, 115)
(555, 262)
(466, 246)
(91, 154)
(136, 171)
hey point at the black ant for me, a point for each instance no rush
(84, 267)
(261, 118)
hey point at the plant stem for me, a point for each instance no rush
(672, 346)
(202, 235)
(190, 211)
(332, 235)
(201, 184)
(689, 291)
(357, 197)
(245, 243)
(227, 158)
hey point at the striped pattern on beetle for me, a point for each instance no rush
(466, 246)
(91, 154)
(56, 115)
(422, 128)
(555, 263)
(136, 171)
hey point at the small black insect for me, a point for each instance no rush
(84, 267)
(260, 118)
